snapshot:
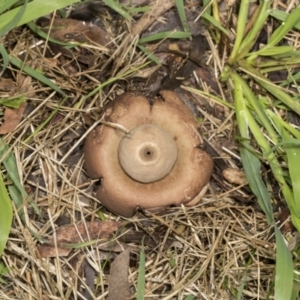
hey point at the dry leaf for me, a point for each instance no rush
(12, 118)
(69, 30)
(6, 84)
(89, 277)
(235, 176)
(87, 231)
(118, 287)
(284, 218)
(50, 251)
(72, 234)
(24, 84)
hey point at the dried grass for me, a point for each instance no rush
(219, 247)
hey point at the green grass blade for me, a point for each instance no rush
(281, 16)
(35, 74)
(290, 79)
(19, 198)
(208, 96)
(15, 20)
(190, 297)
(118, 8)
(48, 119)
(150, 54)
(288, 195)
(270, 49)
(284, 28)
(252, 167)
(240, 107)
(273, 51)
(215, 23)
(5, 58)
(81, 244)
(296, 286)
(7, 4)
(257, 107)
(136, 10)
(293, 158)
(251, 163)
(207, 6)
(172, 260)
(244, 279)
(271, 158)
(284, 269)
(288, 142)
(293, 154)
(281, 62)
(34, 10)
(241, 25)
(165, 35)
(16, 189)
(280, 122)
(251, 37)
(284, 263)
(248, 121)
(44, 35)
(182, 15)
(142, 275)
(3, 271)
(287, 56)
(13, 103)
(6, 215)
(276, 91)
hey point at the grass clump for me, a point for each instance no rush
(258, 103)
(219, 248)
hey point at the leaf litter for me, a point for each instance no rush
(207, 251)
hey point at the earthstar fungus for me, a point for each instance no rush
(157, 163)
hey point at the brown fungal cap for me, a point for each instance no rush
(156, 164)
(147, 153)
